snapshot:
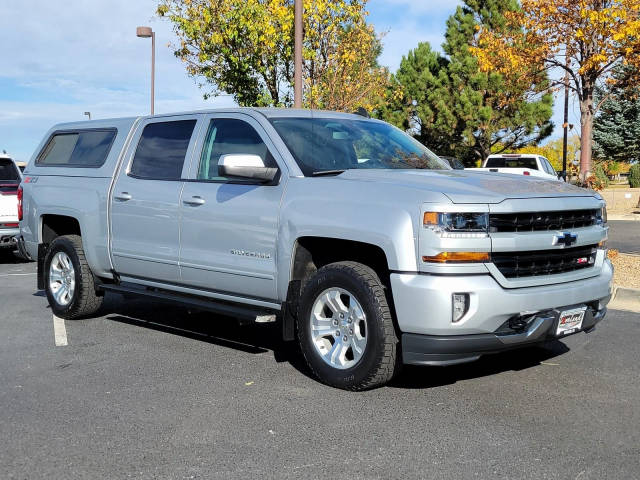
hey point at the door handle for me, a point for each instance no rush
(194, 201)
(123, 196)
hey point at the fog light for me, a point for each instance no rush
(460, 303)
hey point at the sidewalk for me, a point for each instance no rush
(625, 299)
(626, 217)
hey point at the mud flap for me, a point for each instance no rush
(42, 252)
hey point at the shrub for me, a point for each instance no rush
(634, 176)
(601, 176)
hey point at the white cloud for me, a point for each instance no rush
(422, 7)
(406, 23)
(61, 59)
(400, 39)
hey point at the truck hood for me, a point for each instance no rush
(462, 186)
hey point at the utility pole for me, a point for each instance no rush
(565, 125)
(297, 55)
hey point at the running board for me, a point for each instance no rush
(244, 314)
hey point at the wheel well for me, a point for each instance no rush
(312, 253)
(54, 226)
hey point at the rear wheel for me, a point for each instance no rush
(69, 283)
(345, 327)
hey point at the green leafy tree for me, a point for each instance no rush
(245, 48)
(458, 109)
(616, 128)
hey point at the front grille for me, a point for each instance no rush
(537, 221)
(544, 262)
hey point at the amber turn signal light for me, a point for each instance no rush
(430, 218)
(457, 257)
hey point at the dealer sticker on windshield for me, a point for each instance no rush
(570, 321)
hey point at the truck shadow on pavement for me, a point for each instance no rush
(7, 257)
(205, 327)
(514, 360)
(264, 338)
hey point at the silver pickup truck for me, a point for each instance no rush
(364, 245)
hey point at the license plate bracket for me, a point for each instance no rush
(570, 321)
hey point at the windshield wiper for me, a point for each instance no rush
(321, 173)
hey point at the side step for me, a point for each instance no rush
(243, 313)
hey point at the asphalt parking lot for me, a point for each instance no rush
(150, 391)
(624, 236)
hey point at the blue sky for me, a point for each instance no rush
(60, 62)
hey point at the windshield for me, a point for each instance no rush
(326, 144)
(8, 171)
(454, 163)
(517, 162)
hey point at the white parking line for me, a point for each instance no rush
(59, 332)
(17, 274)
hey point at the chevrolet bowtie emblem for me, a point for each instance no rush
(567, 239)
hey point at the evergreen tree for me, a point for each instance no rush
(420, 104)
(457, 109)
(616, 128)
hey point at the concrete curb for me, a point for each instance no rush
(625, 299)
(624, 217)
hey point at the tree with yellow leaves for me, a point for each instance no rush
(584, 38)
(245, 48)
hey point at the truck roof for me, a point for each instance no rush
(267, 112)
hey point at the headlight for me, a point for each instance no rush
(601, 216)
(457, 222)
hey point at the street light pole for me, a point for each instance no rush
(297, 55)
(565, 126)
(146, 32)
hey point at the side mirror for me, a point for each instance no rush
(562, 176)
(245, 166)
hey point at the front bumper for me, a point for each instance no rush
(7, 237)
(454, 349)
(423, 305)
(423, 301)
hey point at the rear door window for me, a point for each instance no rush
(162, 150)
(86, 148)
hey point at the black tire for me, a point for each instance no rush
(379, 362)
(85, 301)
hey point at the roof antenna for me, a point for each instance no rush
(362, 112)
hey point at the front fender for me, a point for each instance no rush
(383, 219)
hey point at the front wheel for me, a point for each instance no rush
(345, 327)
(68, 281)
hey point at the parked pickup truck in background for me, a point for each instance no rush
(9, 180)
(368, 249)
(534, 165)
